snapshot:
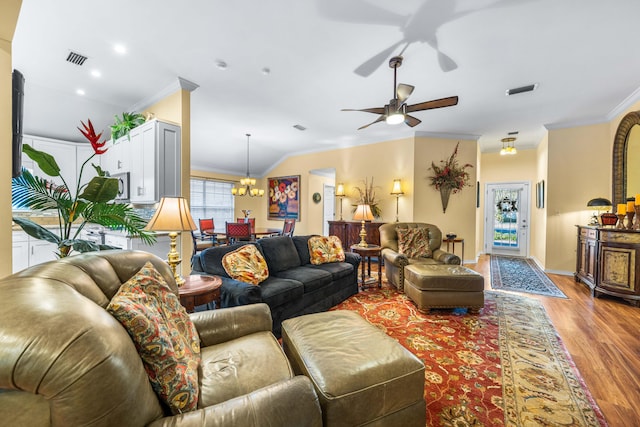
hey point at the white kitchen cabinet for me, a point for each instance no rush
(155, 167)
(20, 255)
(116, 240)
(41, 251)
(65, 155)
(118, 157)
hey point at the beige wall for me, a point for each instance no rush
(539, 216)
(460, 217)
(9, 10)
(579, 169)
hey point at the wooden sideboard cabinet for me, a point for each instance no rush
(608, 262)
(349, 232)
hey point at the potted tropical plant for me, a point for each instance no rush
(90, 203)
(367, 196)
(123, 125)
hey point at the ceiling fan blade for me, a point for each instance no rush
(366, 110)
(411, 121)
(436, 103)
(403, 92)
(446, 63)
(379, 119)
(372, 64)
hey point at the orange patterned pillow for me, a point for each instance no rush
(325, 249)
(166, 339)
(414, 242)
(246, 264)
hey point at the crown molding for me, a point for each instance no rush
(178, 84)
(419, 134)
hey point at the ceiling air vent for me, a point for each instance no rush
(299, 127)
(522, 89)
(515, 132)
(76, 58)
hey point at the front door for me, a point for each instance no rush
(328, 210)
(507, 219)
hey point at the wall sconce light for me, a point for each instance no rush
(397, 191)
(340, 195)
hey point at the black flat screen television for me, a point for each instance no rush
(16, 121)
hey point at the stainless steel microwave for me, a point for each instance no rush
(123, 185)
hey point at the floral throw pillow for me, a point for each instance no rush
(246, 264)
(324, 249)
(414, 242)
(164, 336)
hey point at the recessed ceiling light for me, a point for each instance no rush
(80, 92)
(221, 65)
(120, 48)
(266, 71)
(96, 73)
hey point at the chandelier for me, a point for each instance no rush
(247, 185)
(510, 148)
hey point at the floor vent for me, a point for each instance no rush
(76, 58)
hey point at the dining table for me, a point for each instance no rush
(258, 233)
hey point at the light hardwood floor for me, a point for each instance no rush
(603, 337)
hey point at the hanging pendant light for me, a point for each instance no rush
(247, 185)
(510, 149)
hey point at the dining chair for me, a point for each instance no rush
(288, 226)
(199, 244)
(207, 227)
(238, 231)
(251, 221)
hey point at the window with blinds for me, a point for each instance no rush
(212, 199)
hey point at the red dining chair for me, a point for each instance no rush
(288, 226)
(251, 221)
(206, 228)
(237, 231)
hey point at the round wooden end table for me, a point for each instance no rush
(366, 252)
(199, 290)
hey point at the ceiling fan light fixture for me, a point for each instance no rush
(395, 118)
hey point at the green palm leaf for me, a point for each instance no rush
(32, 192)
(119, 216)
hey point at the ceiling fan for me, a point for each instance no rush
(396, 110)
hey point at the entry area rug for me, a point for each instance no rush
(521, 275)
(503, 366)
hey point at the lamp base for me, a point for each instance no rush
(173, 259)
(363, 234)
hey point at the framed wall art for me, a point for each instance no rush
(284, 197)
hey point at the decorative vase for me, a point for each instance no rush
(445, 192)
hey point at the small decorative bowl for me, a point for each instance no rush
(451, 236)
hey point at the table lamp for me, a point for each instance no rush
(363, 213)
(397, 191)
(340, 195)
(172, 215)
(601, 204)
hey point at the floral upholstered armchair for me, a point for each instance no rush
(405, 243)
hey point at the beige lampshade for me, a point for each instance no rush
(397, 189)
(340, 190)
(172, 215)
(363, 213)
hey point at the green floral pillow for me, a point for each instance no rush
(324, 249)
(414, 242)
(246, 264)
(164, 336)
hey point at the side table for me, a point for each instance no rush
(366, 252)
(199, 290)
(453, 247)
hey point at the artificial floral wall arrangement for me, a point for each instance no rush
(449, 177)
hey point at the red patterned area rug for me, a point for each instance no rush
(503, 366)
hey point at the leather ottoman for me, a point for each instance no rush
(444, 286)
(361, 375)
